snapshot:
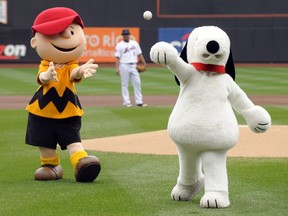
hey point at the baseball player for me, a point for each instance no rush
(128, 53)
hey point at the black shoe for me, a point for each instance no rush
(142, 105)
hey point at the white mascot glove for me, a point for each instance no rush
(257, 118)
(87, 70)
(163, 53)
(48, 75)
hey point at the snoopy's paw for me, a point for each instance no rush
(215, 199)
(261, 127)
(258, 119)
(186, 192)
(163, 53)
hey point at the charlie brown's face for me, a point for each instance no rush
(61, 48)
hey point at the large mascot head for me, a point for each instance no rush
(58, 35)
(208, 49)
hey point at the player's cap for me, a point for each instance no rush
(55, 20)
(125, 32)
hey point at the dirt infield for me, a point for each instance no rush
(273, 143)
(270, 144)
(18, 102)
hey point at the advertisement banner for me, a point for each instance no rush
(15, 46)
(175, 36)
(101, 43)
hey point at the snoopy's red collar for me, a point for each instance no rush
(209, 67)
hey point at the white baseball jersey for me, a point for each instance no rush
(128, 52)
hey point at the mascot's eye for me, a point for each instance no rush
(72, 33)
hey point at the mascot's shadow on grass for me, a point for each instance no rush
(55, 110)
(202, 123)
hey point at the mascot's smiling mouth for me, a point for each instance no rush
(63, 49)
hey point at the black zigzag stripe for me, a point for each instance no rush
(52, 95)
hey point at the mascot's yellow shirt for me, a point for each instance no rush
(56, 100)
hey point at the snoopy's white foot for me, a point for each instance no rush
(186, 192)
(215, 199)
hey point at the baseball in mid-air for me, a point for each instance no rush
(147, 15)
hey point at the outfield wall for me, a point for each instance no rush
(258, 29)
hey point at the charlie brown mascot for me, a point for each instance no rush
(55, 111)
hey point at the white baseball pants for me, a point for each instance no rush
(129, 72)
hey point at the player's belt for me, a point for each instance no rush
(130, 63)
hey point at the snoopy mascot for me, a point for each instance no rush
(202, 123)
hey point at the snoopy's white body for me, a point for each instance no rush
(202, 123)
(200, 116)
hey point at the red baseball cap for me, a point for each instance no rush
(55, 20)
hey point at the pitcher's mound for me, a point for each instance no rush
(273, 143)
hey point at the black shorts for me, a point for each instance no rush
(47, 132)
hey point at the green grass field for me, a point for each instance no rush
(133, 184)
(155, 81)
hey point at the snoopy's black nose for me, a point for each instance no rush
(212, 47)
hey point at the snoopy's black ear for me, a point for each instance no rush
(230, 67)
(183, 55)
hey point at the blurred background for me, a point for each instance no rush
(258, 29)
